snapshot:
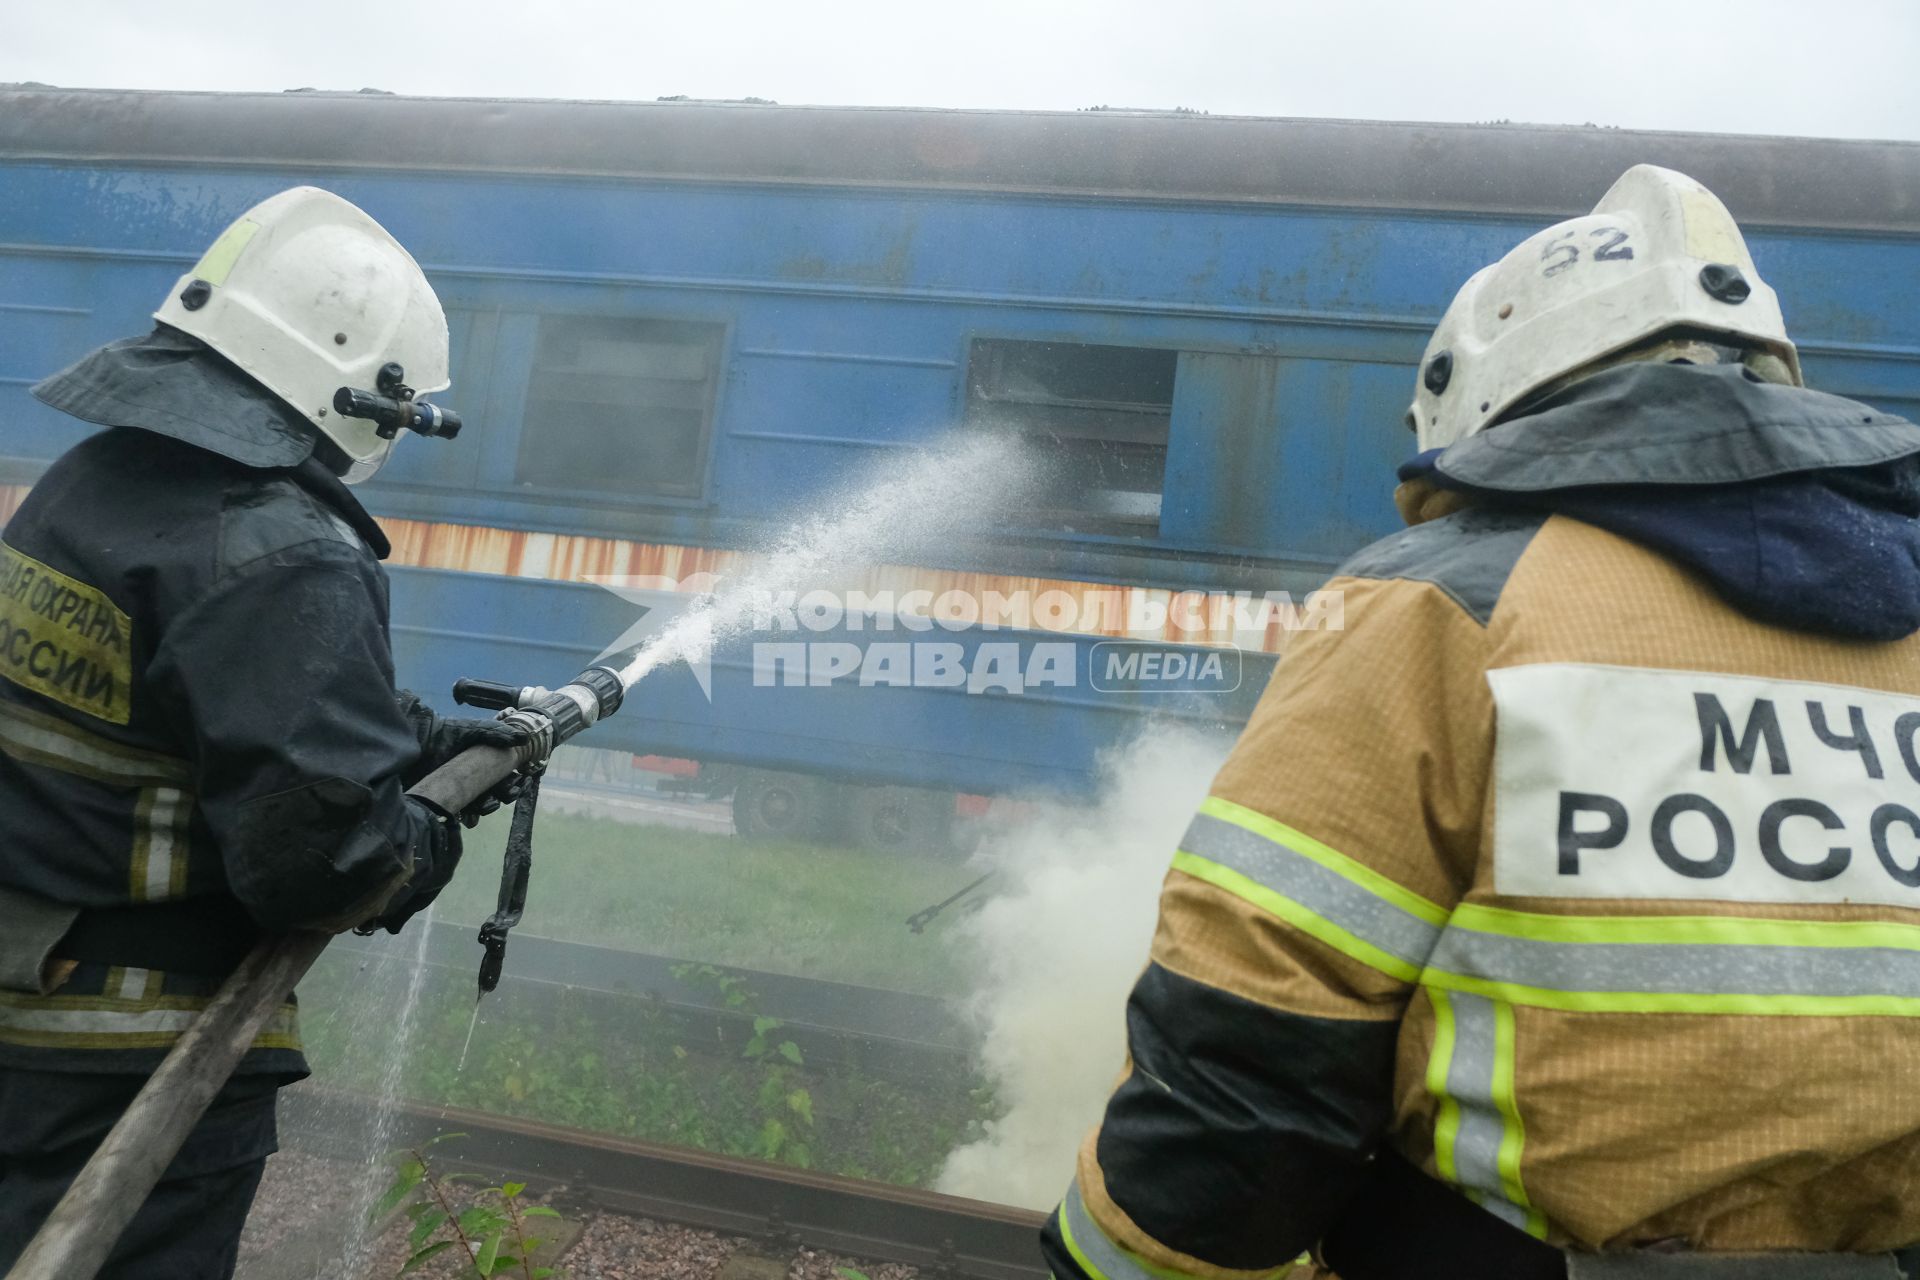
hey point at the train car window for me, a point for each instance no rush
(1100, 413)
(620, 405)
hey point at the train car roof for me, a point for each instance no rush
(1492, 169)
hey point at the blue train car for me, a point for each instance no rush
(677, 325)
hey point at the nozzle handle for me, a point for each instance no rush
(490, 694)
(588, 698)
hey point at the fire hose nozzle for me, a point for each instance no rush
(554, 718)
(582, 702)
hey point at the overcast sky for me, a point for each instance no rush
(1834, 68)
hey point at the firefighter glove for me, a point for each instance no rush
(435, 857)
(442, 738)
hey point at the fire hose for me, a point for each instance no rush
(78, 1236)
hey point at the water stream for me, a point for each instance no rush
(932, 499)
(410, 951)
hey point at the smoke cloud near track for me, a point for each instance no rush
(1058, 949)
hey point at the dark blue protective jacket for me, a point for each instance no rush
(200, 738)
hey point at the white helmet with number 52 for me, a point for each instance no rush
(307, 294)
(1658, 254)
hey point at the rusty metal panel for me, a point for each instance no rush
(1040, 604)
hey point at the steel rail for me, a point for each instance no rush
(944, 1235)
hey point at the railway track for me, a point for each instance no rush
(943, 1235)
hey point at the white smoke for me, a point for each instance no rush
(1057, 951)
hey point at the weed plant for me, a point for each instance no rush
(491, 1234)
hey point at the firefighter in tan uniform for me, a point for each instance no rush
(1561, 914)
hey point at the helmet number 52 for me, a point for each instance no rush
(1561, 252)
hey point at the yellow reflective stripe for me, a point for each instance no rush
(162, 810)
(1868, 1006)
(281, 1032)
(1478, 1137)
(159, 867)
(1073, 1245)
(1327, 856)
(111, 1022)
(1684, 930)
(131, 984)
(1513, 1134)
(140, 870)
(1446, 1126)
(1116, 1261)
(10, 1000)
(220, 256)
(1682, 964)
(1300, 917)
(34, 737)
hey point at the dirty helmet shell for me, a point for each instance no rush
(1658, 253)
(307, 294)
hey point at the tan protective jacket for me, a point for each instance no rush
(1590, 893)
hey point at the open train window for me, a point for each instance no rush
(620, 405)
(1098, 416)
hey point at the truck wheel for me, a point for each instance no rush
(779, 806)
(902, 820)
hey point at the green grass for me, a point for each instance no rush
(808, 910)
(628, 1066)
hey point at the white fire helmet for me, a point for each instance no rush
(307, 294)
(1658, 253)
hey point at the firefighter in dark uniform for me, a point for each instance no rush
(200, 738)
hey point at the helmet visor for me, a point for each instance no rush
(364, 468)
